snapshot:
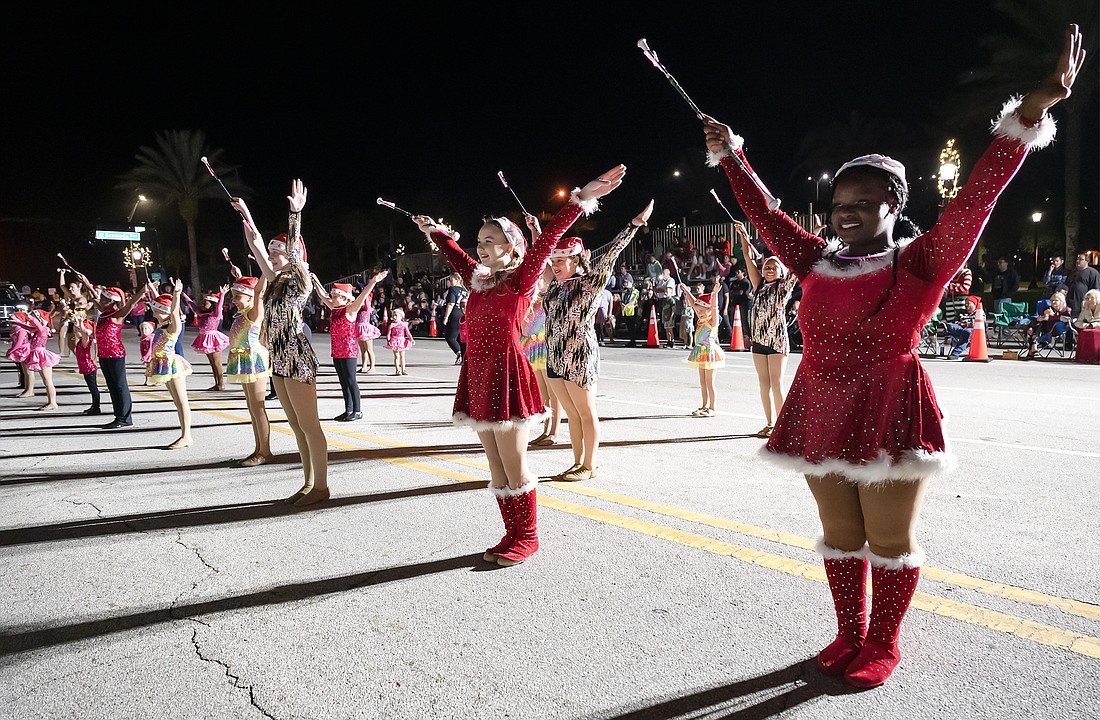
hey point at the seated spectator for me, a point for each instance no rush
(1043, 328)
(1089, 319)
(723, 264)
(956, 294)
(722, 246)
(963, 327)
(1005, 284)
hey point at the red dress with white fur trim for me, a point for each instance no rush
(497, 389)
(861, 405)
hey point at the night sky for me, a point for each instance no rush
(424, 106)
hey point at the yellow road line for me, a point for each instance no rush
(1040, 633)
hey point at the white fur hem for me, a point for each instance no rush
(523, 489)
(832, 553)
(826, 267)
(588, 206)
(908, 561)
(1033, 137)
(464, 420)
(916, 465)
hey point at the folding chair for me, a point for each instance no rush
(1008, 324)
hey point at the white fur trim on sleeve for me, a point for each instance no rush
(588, 206)
(523, 489)
(907, 561)
(1034, 137)
(832, 553)
(714, 159)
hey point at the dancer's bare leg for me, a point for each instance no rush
(890, 516)
(584, 400)
(51, 391)
(498, 476)
(254, 393)
(776, 365)
(841, 512)
(299, 400)
(28, 390)
(576, 427)
(177, 388)
(215, 360)
(512, 448)
(712, 390)
(763, 377)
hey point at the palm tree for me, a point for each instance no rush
(172, 172)
(1028, 47)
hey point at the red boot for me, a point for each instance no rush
(508, 514)
(893, 582)
(847, 573)
(526, 541)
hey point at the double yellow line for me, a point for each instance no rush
(1077, 643)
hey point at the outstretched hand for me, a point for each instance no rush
(604, 184)
(426, 224)
(1058, 85)
(643, 217)
(297, 196)
(533, 225)
(380, 277)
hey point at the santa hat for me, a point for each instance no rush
(43, 316)
(278, 244)
(245, 286)
(705, 298)
(976, 300)
(114, 294)
(212, 297)
(22, 317)
(343, 289)
(163, 303)
(567, 247)
(89, 326)
(879, 162)
(512, 232)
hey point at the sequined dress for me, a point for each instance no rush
(343, 334)
(532, 337)
(40, 358)
(768, 313)
(861, 405)
(706, 353)
(20, 341)
(85, 363)
(108, 336)
(367, 329)
(291, 354)
(496, 386)
(165, 364)
(398, 337)
(572, 351)
(248, 359)
(210, 339)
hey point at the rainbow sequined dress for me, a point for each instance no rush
(248, 359)
(165, 364)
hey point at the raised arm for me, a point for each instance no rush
(131, 301)
(798, 249)
(750, 253)
(582, 200)
(321, 293)
(1022, 126)
(603, 269)
(174, 324)
(455, 256)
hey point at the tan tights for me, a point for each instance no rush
(299, 401)
(884, 516)
(506, 451)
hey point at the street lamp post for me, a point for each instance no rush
(130, 217)
(1036, 218)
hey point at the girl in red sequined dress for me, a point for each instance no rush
(861, 420)
(497, 392)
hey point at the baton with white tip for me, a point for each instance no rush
(500, 174)
(391, 206)
(721, 205)
(773, 202)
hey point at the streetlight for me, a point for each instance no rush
(130, 217)
(1036, 218)
(948, 179)
(817, 184)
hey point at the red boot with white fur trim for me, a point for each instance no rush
(524, 500)
(893, 582)
(508, 515)
(847, 573)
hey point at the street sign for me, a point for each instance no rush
(117, 235)
(155, 277)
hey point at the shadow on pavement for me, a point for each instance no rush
(200, 516)
(12, 643)
(763, 696)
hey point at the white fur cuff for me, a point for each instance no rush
(832, 553)
(1033, 137)
(588, 206)
(523, 489)
(715, 159)
(908, 561)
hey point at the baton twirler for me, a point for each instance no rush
(391, 206)
(773, 202)
(500, 174)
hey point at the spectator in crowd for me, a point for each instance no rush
(1055, 277)
(956, 294)
(1006, 281)
(619, 279)
(683, 250)
(653, 268)
(604, 321)
(1082, 279)
(722, 246)
(962, 327)
(629, 307)
(1089, 317)
(740, 293)
(1041, 330)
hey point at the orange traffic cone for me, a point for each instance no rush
(433, 331)
(978, 350)
(737, 338)
(652, 341)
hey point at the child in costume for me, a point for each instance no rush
(85, 352)
(706, 351)
(165, 366)
(399, 339)
(211, 341)
(248, 364)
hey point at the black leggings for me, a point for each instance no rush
(451, 332)
(93, 388)
(349, 386)
(114, 373)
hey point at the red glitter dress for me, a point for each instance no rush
(497, 389)
(861, 405)
(343, 334)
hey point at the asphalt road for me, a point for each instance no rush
(146, 583)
